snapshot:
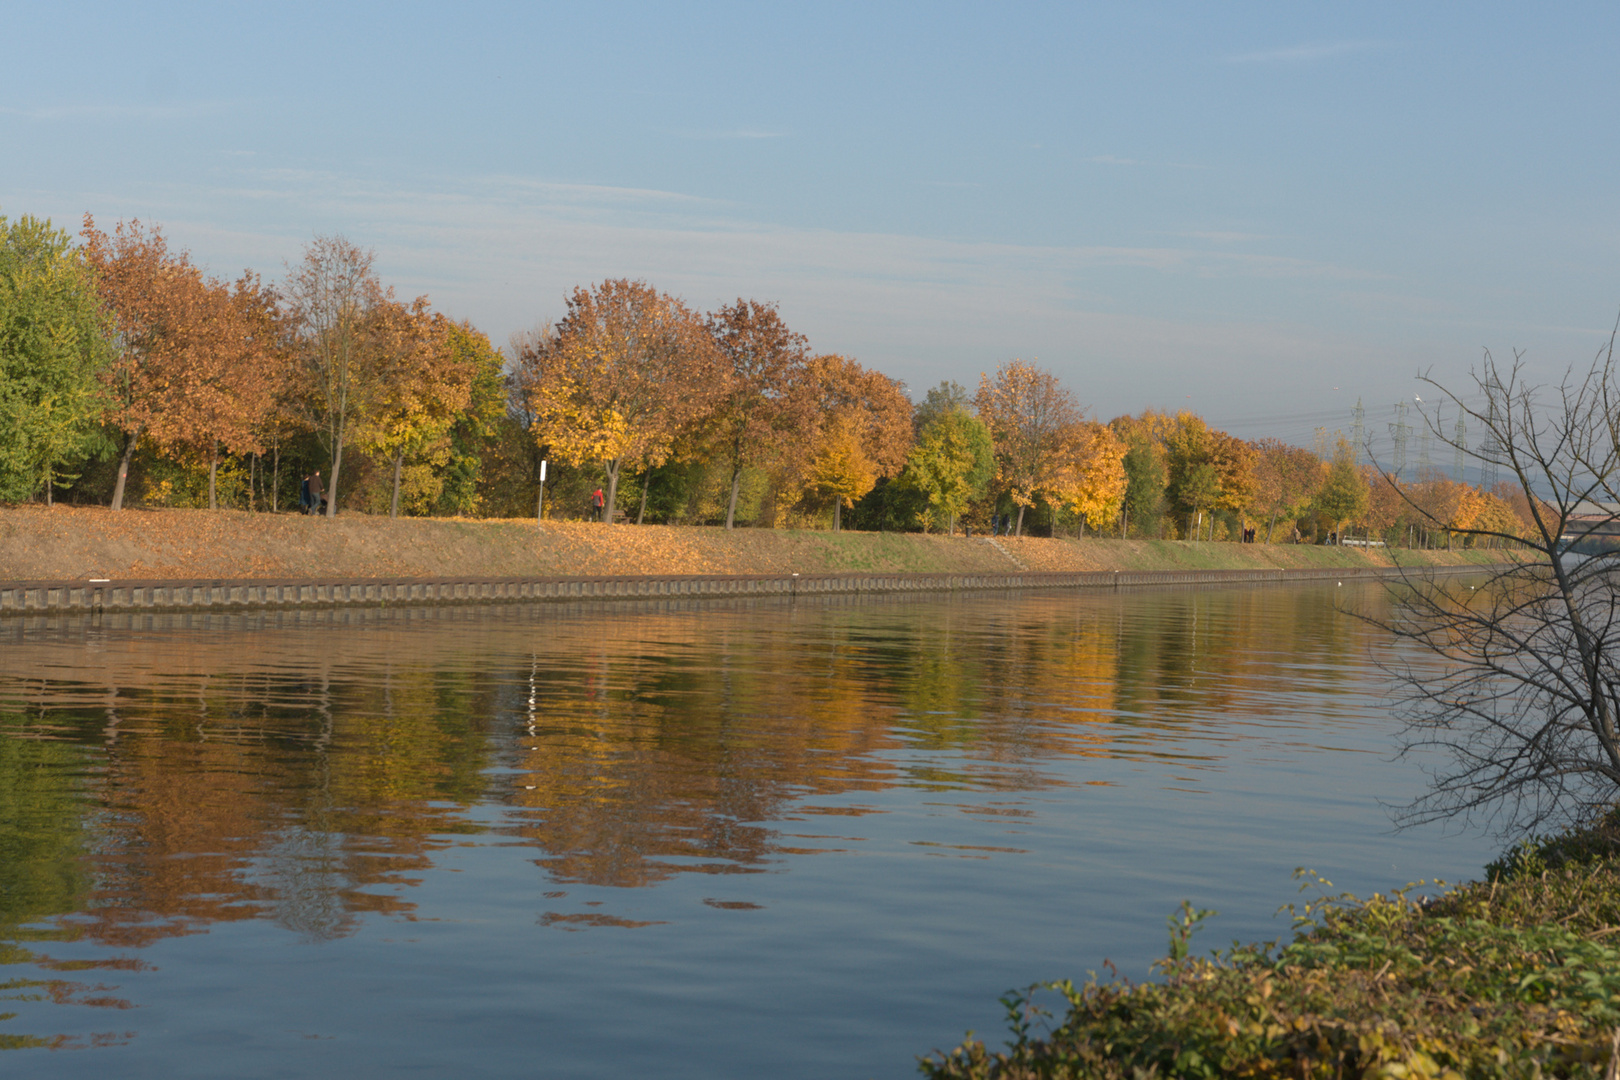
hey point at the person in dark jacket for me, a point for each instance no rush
(317, 493)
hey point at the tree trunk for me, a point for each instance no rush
(123, 469)
(48, 497)
(1019, 531)
(399, 467)
(646, 483)
(1124, 523)
(275, 477)
(612, 492)
(736, 486)
(952, 526)
(213, 475)
(838, 513)
(331, 486)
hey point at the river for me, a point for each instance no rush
(686, 839)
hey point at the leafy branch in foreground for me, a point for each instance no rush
(1518, 975)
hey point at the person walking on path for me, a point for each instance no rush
(317, 493)
(598, 503)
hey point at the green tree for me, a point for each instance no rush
(1144, 485)
(952, 463)
(54, 343)
(1344, 494)
(1208, 469)
(477, 429)
(945, 397)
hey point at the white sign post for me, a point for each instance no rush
(540, 506)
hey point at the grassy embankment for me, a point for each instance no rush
(66, 543)
(1514, 976)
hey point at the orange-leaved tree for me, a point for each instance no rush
(759, 414)
(1031, 417)
(198, 365)
(840, 404)
(629, 372)
(1286, 479)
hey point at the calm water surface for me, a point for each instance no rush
(684, 840)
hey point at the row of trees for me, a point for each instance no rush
(124, 366)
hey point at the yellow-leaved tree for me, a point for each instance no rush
(629, 371)
(856, 423)
(425, 387)
(839, 468)
(1092, 481)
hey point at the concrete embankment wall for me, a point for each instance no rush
(39, 597)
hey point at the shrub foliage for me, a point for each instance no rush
(1517, 975)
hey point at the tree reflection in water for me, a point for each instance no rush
(159, 775)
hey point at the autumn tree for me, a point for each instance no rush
(1286, 479)
(198, 364)
(423, 385)
(1029, 414)
(630, 371)
(54, 343)
(839, 468)
(1093, 481)
(1386, 503)
(951, 464)
(331, 295)
(759, 411)
(839, 400)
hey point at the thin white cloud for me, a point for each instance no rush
(1304, 54)
(1220, 237)
(186, 110)
(736, 133)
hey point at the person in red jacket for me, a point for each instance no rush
(597, 503)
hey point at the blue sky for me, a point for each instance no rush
(1262, 212)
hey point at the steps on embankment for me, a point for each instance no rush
(42, 597)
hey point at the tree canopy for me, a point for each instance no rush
(55, 341)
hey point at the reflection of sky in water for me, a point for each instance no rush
(684, 839)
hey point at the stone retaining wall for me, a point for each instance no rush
(35, 597)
